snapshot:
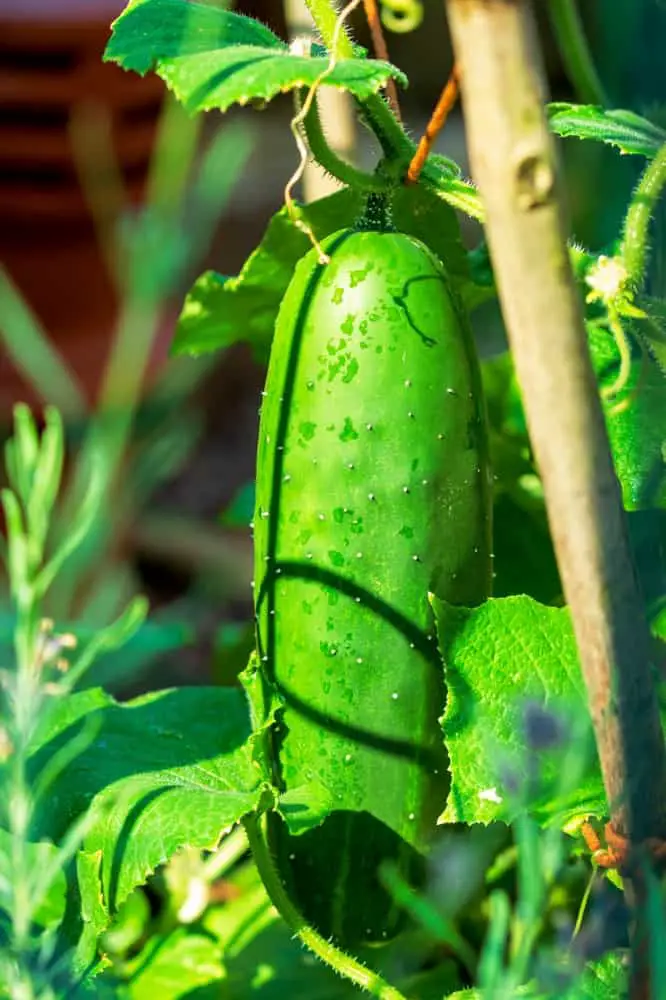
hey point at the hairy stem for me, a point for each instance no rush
(575, 52)
(635, 247)
(336, 110)
(345, 965)
(327, 158)
(325, 16)
(394, 142)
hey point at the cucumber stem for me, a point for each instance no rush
(334, 957)
(376, 215)
(331, 162)
(635, 249)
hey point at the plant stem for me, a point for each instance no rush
(24, 711)
(635, 248)
(345, 965)
(514, 163)
(325, 16)
(394, 142)
(330, 161)
(575, 52)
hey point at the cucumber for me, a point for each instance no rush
(372, 490)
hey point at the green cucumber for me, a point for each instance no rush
(372, 490)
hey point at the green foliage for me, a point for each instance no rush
(242, 949)
(165, 29)
(627, 131)
(213, 58)
(35, 860)
(169, 769)
(606, 979)
(49, 908)
(221, 311)
(506, 748)
(113, 666)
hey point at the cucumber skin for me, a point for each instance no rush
(373, 488)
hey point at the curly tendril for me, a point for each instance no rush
(610, 393)
(297, 122)
(401, 16)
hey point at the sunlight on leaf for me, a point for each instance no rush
(213, 58)
(515, 724)
(627, 131)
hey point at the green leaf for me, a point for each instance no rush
(169, 769)
(627, 131)
(212, 58)
(220, 311)
(442, 176)
(606, 979)
(264, 704)
(165, 29)
(658, 623)
(94, 913)
(206, 322)
(306, 807)
(515, 725)
(239, 950)
(244, 73)
(503, 400)
(180, 964)
(130, 927)
(420, 211)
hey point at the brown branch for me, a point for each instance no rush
(443, 108)
(381, 52)
(514, 163)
